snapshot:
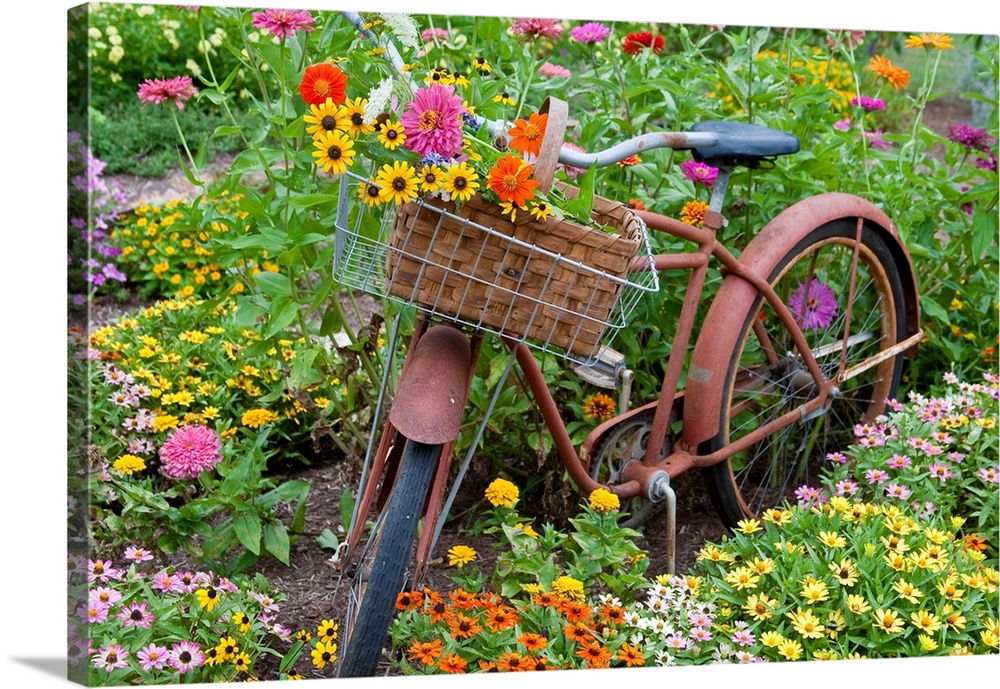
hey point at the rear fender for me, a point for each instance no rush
(430, 397)
(718, 337)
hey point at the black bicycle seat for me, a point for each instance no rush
(743, 144)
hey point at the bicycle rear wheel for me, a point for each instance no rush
(767, 377)
(382, 563)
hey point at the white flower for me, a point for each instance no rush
(116, 53)
(94, 32)
(192, 67)
(145, 10)
(378, 100)
(403, 28)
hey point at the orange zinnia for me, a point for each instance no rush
(462, 627)
(578, 633)
(462, 599)
(323, 81)
(511, 661)
(509, 179)
(532, 641)
(452, 664)
(426, 652)
(631, 655)
(528, 133)
(595, 655)
(501, 617)
(896, 76)
(409, 599)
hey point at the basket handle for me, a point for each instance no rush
(555, 132)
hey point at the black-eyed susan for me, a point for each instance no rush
(327, 117)
(208, 597)
(398, 182)
(504, 99)
(242, 621)
(481, 65)
(431, 178)
(354, 110)
(323, 653)
(370, 193)
(540, 211)
(508, 208)
(391, 135)
(334, 152)
(242, 662)
(327, 630)
(460, 181)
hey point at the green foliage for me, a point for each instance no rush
(138, 610)
(192, 362)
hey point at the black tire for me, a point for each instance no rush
(383, 562)
(762, 385)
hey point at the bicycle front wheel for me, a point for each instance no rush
(382, 563)
(767, 377)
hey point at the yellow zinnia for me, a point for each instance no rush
(603, 501)
(502, 493)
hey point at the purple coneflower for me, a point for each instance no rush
(972, 138)
(868, 104)
(699, 173)
(432, 121)
(189, 451)
(875, 140)
(591, 32)
(177, 89)
(282, 22)
(814, 308)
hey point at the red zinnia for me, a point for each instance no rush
(323, 81)
(635, 42)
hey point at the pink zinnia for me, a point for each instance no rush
(532, 28)
(591, 32)
(814, 308)
(177, 89)
(281, 22)
(550, 70)
(433, 121)
(152, 657)
(699, 173)
(428, 35)
(189, 451)
(111, 657)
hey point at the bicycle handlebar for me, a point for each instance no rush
(567, 156)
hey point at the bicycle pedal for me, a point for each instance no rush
(606, 371)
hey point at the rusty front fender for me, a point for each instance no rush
(718, 337)
(431, 394)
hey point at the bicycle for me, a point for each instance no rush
(804, 339)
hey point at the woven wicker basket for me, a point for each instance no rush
(555, 281)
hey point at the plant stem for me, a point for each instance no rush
(180, 133)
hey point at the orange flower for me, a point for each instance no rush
(599, 406)
(452, 664)
(425, 653)
(532, 641)
(595, 655)
(509, 179)
(462, 599)
(575, 611)
(693, 213)
(612, 614)
(528, 133)
(501, 617)
(511, 661)
(633, 159)
(323, 81)
(547, 599)
(409, 599)
(974, 542)
(462, 627)
(435, 606)
(631, 655)
(578, 632)
(637, 205)
(896, 76)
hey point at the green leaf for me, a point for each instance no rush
(288, 662)
(934, 310)
(246, 522)
(346, 506)
(328, 540)
(273, 284)
(276, 541)
(285, 316)
(225, 130)
(984, 231)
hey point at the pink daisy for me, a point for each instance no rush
(152, 657)
(166, 582)
(940, 471)
(282, 22)
(189, 451)
(177, 89)
(111, 657)
(813, 308)
(137, 554)
(136, 615)
(433, 121)
(895, 490)
(185, 656)
(899, 461)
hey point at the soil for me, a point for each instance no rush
(309, 582)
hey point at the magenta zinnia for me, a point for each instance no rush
(189, 451)
(177, 89)
(699, 172)
(591, 32)
(532, 28)
(281, 22)
(813, 308)
(433, 121)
